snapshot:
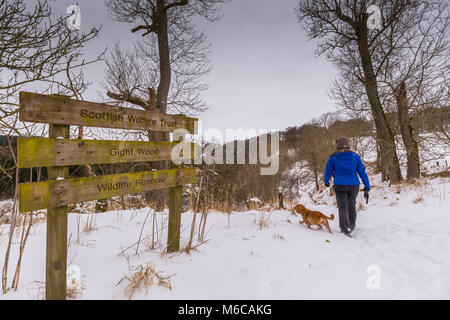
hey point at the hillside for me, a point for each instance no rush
(403, 231)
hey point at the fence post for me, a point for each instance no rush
(56, 255)
(175, 202)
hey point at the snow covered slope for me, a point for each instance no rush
(403, 236)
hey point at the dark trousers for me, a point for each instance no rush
(346, 201)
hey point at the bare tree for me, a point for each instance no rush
(412, 59)
(35, 49)
(315, 145)
(342, 25)
(416, 71)
(174, 51)
(168, 24)
(130, 75)
(350, 93)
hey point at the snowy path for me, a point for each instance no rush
(409, 242)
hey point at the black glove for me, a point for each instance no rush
(327, 185)
(366, 195)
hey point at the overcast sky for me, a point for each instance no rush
(265, 73)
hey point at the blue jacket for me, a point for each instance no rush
(345, 167)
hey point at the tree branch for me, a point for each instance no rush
(128, 97)
(149, 29)
(176, 4)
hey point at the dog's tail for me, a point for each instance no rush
(331, 217)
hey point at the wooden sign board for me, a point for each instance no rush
(59, 152)
(57, 193)
(40, 152)
(62, 110)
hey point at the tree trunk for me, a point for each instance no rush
(165, 70)
(164, 58)
(411, 146)
(156, 197)
(160, 196)
(381, 163)
(384, 132)
(316, 177)
(152, 197)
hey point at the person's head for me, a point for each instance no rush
(342, 145)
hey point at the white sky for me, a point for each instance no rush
(265, 73)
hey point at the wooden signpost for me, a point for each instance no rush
(64, 152)
(58, 152)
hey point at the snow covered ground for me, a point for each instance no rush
(403, 240)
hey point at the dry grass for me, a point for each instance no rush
(82, 208)
(189, 247)
(5, 210)
(117, 203)
(422, 189)
(279, 237)
(442, 174)
(5, 215)
(254, 204)
(73, 291)
(144, 278)
(361, 206)
(419, 199)
(393, 203)
(90, 224)
(263, 219)
(293, 213)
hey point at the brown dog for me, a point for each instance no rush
(313, 217)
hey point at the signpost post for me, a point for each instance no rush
(58, 152)
(175, 201)
(56, 248)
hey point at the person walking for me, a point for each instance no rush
(345, 166)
